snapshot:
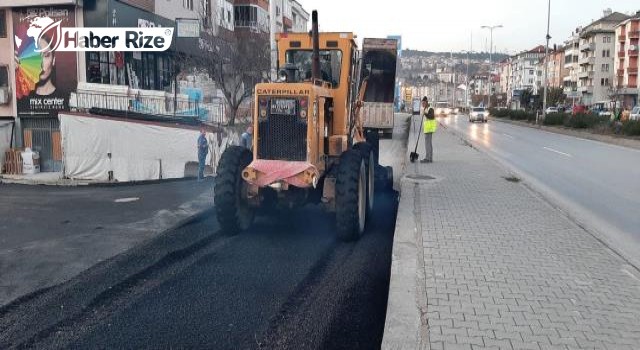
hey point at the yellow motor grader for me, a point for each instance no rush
(309, 144)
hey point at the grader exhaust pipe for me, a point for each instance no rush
(315, 59)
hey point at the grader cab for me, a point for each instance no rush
(308, 143)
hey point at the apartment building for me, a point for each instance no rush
(299, 17)
(626, 61)
(524, 76)
(571, 66)
(504, 69)
(596, 76)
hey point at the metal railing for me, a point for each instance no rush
(157, 105)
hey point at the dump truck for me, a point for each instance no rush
(379, 61)
(309, 142)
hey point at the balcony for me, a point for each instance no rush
(634, 34)
(587, 60)
(633, 53)
(620, 72)
(586, 89)
(632, 70)
(621, 54)
(588, 47)
(622, 37)
(585, 75)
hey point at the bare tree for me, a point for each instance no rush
(234, 62)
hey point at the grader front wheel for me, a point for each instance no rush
(351, 196)
(233, 212)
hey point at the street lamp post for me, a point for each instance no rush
(491, 28)
(546, 64)
(466, 95)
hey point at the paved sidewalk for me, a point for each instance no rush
(480, 262)
(50, 234)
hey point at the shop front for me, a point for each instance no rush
(138, 70)
(43, 80)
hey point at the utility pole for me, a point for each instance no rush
(546, 64)
(272, 39)
(491, 28)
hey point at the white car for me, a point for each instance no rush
(478, 114)
(635, 113)
(552, 110)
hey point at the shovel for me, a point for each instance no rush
(414, 155)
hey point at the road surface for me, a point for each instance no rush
(595, 182)
(286, 283)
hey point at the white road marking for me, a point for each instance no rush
(558, 152)
(509, 136)
(127, 200)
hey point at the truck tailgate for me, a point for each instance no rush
(377, 115)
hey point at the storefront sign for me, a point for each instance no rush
(188, 28)
(44, 79)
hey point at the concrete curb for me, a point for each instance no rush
(612, 140)
(406, 323)
(79, 183)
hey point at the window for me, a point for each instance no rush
(330, 64)
(531, 72)
(102, 69)
(4, 76)
(246, 16)
(606, 39)
(3, 24)
(188, 4)
(605, 67)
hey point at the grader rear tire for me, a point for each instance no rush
(233, 212)
(373, 138)
(351, 196)
(370, 165)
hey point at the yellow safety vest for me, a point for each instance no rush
(429, 126)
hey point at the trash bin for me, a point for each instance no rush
(30, 162)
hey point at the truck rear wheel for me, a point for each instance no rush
(351, 196)
(373, 138)
(370, 165)
(233, 212)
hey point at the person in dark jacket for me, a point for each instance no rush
(203, 150)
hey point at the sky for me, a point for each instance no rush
(449, 25)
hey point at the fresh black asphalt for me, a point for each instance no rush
(287, 283)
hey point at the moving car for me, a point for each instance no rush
(415, 106)
(442, 109)
(478, 114)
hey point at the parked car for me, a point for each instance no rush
(635, 113)
(552, 110)
(601, 109)
(579, 109)
(478, 114)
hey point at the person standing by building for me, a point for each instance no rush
(246, 139)
(203, 150)
(429, 126)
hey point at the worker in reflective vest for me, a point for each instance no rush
(429, 126)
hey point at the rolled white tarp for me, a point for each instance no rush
(132, 150)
